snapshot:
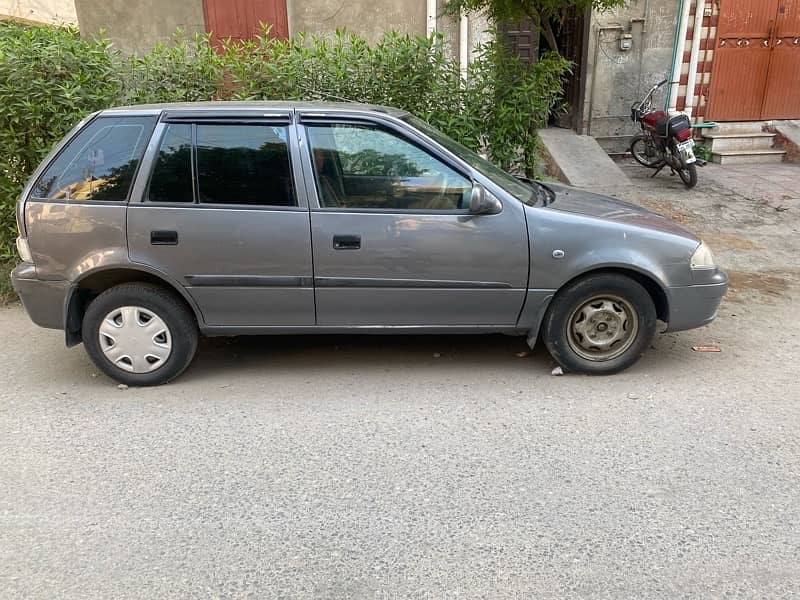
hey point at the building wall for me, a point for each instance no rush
(52, 12)
(371, 19)
(616, 78)
(366, 18)
(137, 25)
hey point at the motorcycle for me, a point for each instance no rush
(665, 140)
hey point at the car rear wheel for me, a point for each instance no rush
(600, 324)
(140, 334)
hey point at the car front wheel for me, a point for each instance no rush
(600, 324)
(139, 334)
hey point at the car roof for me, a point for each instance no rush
(250, 105)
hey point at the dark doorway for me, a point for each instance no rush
(524, 42)
(571, 38)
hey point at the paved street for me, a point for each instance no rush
(440, 467)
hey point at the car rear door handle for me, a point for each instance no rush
(346, 242)
(164, 238)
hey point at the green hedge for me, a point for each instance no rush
(50, 78)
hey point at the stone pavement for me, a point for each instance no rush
(749, 215)
(776, 184)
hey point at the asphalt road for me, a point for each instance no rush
(368, 467)
(412, 467)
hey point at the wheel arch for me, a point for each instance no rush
(648, 281)
(94, 282)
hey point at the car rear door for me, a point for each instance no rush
(221, 213)
(394, 243)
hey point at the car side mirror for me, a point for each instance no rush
(481, 203)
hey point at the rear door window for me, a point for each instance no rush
(99, 163)
(171, 180)
(244, 164)
(219, 163)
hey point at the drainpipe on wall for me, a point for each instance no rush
(698, 28)
(463, 45)
(680, 47)
(431, 17)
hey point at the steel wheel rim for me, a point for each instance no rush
(602, 328)
(135, 339)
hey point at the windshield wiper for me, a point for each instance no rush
(544, 193)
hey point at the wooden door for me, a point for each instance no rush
(240, 19)
(521, 39)
(741, 59)
(782, 94)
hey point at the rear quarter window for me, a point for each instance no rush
(99, 163)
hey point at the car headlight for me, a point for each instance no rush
(24, 250)
(703, 258)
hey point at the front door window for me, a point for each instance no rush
(364, 167)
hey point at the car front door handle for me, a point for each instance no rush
(164, 238)
(346, 242)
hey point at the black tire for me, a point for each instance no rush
(643, 153)
(689, 175)
(163, 303)
(561, 341)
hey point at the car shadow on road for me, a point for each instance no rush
(231, 357)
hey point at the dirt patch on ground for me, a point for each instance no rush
(772, 283)
(729, 241)
(677, 213)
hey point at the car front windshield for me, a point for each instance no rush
(519, 189)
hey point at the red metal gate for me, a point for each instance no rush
(239, 19)
(782, 96)
(756, 67)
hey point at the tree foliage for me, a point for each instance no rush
(543, 13)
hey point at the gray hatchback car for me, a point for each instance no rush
(150, 225)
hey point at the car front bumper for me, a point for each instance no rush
(43, 300)
(696, 305)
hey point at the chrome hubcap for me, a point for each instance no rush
(602, 328)
(135, 339)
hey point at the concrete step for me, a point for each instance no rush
(740, 141)
(579, 160)
(747, 157)
(738, 127)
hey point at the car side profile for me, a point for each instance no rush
(148, 226)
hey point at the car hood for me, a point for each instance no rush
(589, 204)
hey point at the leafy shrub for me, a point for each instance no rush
(185, 70)
(496, 110)
(50, 78)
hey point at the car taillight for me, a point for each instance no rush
(683, 135)
(24, 250)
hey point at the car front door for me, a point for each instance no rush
(394, 243)
(221, 214)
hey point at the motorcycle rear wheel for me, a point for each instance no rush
(689, 175)
(645, 153)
